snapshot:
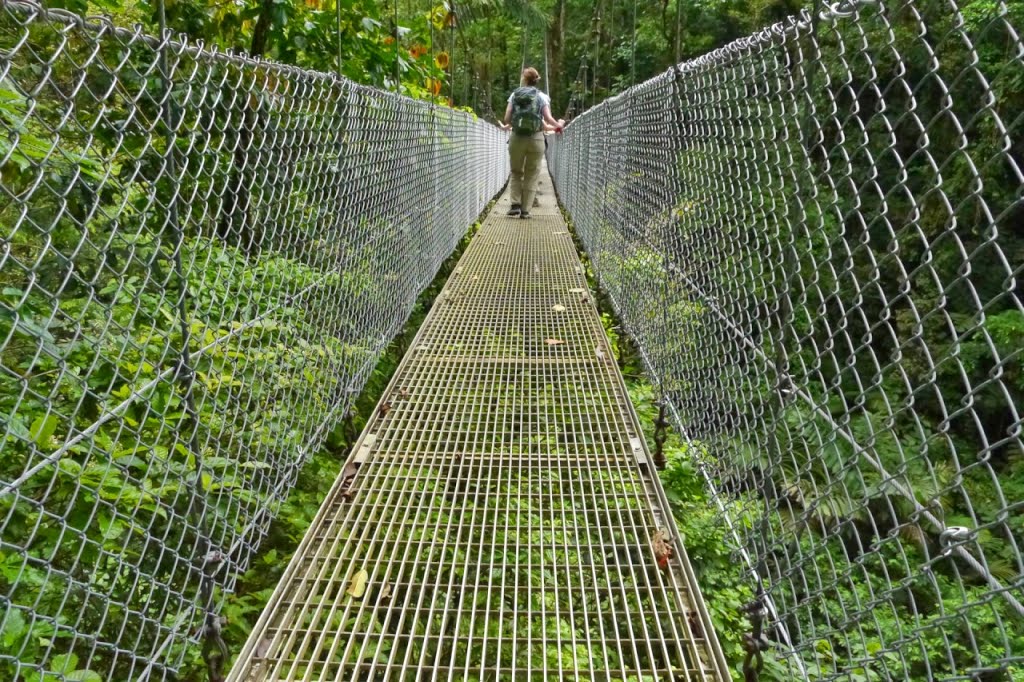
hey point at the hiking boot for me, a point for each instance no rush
(515, 210)
(525, 215)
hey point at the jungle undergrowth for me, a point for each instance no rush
(255, 587)
(721, 578)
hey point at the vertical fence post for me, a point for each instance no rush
(214, 649)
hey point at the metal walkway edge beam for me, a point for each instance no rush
(498, 517)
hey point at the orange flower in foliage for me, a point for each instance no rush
(417, 51)
(434, 86)
(441, 60)
(389, 40)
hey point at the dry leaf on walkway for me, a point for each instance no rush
(357, 586)
(662, 550)
(384, 408)
(403, 393)
(263, 647)
(554, 342)
(558, 308)
(385, 592)
(694, 622)
(347, 475)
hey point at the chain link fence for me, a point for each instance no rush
(815, 235)
(203, 258)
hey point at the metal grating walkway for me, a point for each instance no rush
(499, 503)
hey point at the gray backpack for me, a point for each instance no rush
(526, 112)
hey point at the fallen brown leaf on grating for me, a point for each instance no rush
(384, 408)
(403, 393)
(357, 586)
(348, 474)
(662, 550)
(695, 627)
(554, 342)
(385, 593)
(558, 308)
(262, 648)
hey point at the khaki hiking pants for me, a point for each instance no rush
(525, 155)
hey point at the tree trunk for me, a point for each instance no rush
(556, 53)
(678, 32)
(597, 38)
(261, 34)
(488, 68)
(505, 84)
(235, 225)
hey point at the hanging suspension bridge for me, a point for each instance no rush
(812, 235)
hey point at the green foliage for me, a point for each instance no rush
(244, 604)
(905, 340)
(114, 318)
(724, 580)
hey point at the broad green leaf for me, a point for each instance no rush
(217, 462)
(14, 627)
(255, 465)
(42, 429)
(16, 427)
(84, 676)
(70, 467)
(64, 663)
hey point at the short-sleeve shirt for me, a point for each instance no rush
(545, 101)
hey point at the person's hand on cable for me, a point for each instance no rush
(550, 122)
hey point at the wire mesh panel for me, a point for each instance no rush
(500, 518)
(815, 235)
(203, 257)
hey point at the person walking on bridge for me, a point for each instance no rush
(528, 114)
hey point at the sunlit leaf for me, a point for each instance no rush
(357, 586)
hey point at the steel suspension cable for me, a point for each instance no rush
(632, 60)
